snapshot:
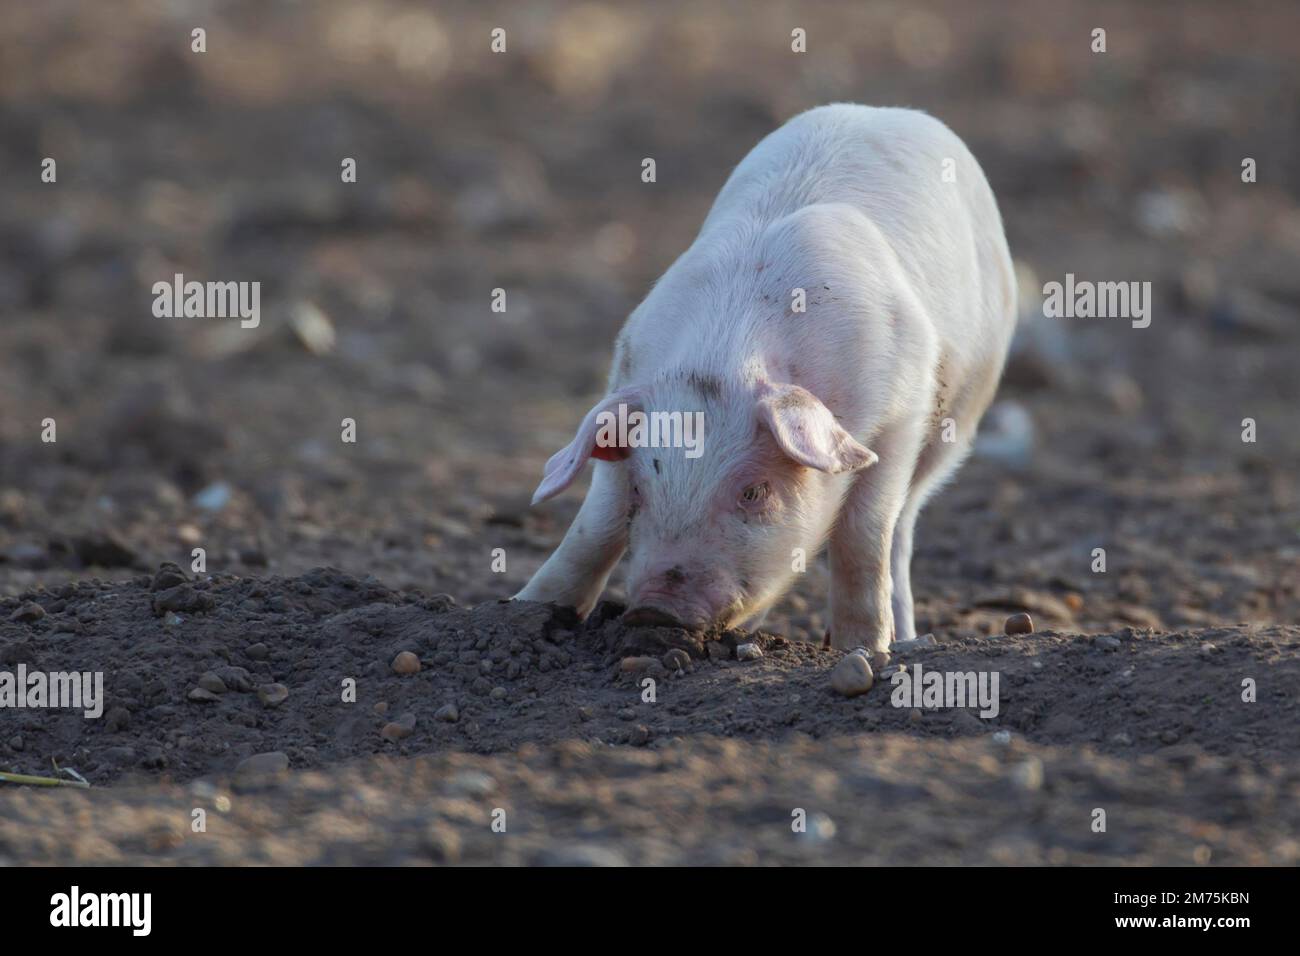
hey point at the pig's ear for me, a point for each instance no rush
(566, 463)
(806, 430)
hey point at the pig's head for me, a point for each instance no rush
(715, 514)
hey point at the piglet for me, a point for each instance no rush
(837, 328)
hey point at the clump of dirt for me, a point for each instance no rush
(200, 674)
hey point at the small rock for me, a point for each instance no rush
(272, 695)
(631, 665)
(117, 719)
(1020, 623)
(29, 612)
(498, 693)
(911, 645)
(211, 682)
(718, 651)
(585, 713)
(214, 497)
(640, 735)
(168, 575)
(448, 712)
(1002, 737)
(748, 652)
(819, 828)
(172, 619)
(406, 663)
(260, 769)
(1028, 774)
(16, 742)
(402, 727)
(182, 598)
(258, 651)
(676, 660)
(852, 676)
(1106, 642)
(471, 783)
(381, 708)
(201, 696)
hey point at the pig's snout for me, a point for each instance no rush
(645, 615)
(674, 597)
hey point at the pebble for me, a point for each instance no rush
(16, 742)
(117, 719)
(640, 735)
(913, 643)
(1028, 774)
(1106, 642)
(211, 682)
(498, 693)
(261, 768)
(272, 695)
(1002, 737)
(258, 652)
(631, 665)
(677, 660)
(406, 663)
(199, 695)
(381, 708)
(168, 576)
(28, 613)
(718, 651)
(852, 675)
(401, 727)
(172, 619)
(471, 783)
(448, 712)
(748, 652)
(1020, 623)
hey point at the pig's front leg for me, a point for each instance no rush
(861, 585)
(576, 573)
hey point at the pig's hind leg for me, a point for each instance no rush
(861, 611)
(575, 574)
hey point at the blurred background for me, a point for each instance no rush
(521, 171)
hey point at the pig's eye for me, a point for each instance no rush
(754, 494)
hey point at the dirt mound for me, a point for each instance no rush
(200, 674)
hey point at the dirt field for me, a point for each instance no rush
(325, 560)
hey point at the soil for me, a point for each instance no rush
(522, 172)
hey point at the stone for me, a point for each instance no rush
(852, 675)
(406, 663)
(28, 613)
(272, 695)
(260, 769)
(211, 682)
(748, 652)
(1020, 623)
(401, 727)
(447, 712)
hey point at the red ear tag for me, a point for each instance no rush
(609, 452)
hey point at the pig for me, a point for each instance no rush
(841, 322)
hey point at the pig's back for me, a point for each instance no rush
(888, 164)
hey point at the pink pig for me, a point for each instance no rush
(841, 321)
